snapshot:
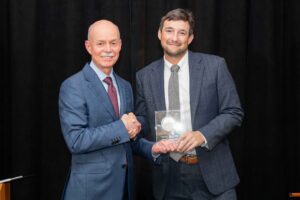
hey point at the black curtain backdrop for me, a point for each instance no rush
(42, 43)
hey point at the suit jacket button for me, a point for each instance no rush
(124, 166)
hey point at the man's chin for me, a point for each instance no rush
(108, 64)
(175, 53)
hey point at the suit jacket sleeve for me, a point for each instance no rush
(143, 147)
(140, 106)
(74, 117)
(230, 113)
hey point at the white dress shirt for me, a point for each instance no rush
(184, 92)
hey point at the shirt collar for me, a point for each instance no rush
(99, 73)
(183, 62)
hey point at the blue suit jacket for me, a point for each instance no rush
(215, 111)
(97, 140)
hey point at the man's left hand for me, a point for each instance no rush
(164, 146)
(189, 140)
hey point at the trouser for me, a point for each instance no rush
(186, 183)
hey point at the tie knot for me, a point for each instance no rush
(175, 68)
(108, 80)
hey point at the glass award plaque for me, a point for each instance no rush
(168, 124)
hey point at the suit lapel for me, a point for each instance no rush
(98, 89)
(196, 69)
(158, 90)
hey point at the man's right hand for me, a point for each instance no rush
(132, 125)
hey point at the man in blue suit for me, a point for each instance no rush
(99, 129)
(201, 87)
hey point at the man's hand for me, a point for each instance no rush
(164, 146)
(189, 140)
(132, 125)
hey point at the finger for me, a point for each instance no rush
(163, 149)
(164, 145)
(173, 146)
(170, 148)
(131, 115)
(181, 143)
(188, 145)
(194, 144)
(180, 147)
(131, 133)
(137, 131)
(131, 125)
(183, 137)
(170, 145)
(137, 125)
(133, 120)
(158, 148)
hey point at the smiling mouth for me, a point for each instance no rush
(107, 56)
(174, 44)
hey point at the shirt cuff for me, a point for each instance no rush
(205, 142)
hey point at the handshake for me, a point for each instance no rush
(132, 125)
(185, 143)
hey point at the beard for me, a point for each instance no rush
(177, 53)
(171, 52)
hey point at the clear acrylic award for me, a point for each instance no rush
(168, 124)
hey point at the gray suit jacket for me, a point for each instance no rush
(97, 140)
(215, 111)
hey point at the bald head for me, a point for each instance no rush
(104, 44)
(102, 26)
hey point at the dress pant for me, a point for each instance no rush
(186, 183)
(125, 191)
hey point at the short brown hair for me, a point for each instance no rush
(179, 14)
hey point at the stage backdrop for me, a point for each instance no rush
(42, 43)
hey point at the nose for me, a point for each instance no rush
(107, 47)
(175, 36)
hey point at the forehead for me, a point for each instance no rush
(106, 33)
(178, 24)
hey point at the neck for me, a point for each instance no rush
(106, 70)
(174, 59)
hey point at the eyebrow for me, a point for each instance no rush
(168, 27)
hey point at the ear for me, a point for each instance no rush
(159, 34)
(88, 46)
(191, 37)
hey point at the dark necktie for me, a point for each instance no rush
(173, 89)
(112, 93)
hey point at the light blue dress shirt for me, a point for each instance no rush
(102, 76)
